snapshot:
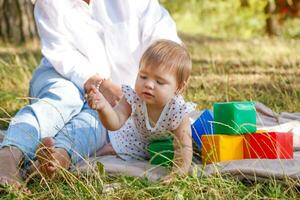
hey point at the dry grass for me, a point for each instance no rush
(265, 70)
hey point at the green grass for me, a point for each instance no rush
(265, 70)
(123, 187)
(16, 67)
(262, 69)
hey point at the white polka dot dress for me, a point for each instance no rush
(131, 141)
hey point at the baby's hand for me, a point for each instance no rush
(95, 99)
(166, 180)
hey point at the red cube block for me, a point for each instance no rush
(270, 145)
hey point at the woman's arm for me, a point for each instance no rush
(156, 23)
(183, 151)
(69, 43)
(111, 118)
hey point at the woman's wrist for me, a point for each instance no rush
(99, 83)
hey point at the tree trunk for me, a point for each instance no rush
(272, 26)
(244, 3)
(16, 21)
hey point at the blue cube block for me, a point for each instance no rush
(202, 126)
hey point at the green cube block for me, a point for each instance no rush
(234, 117)
(161, 152)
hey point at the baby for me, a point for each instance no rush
(154, 109)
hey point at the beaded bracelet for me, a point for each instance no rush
(98, 85)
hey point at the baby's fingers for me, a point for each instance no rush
(168, 179)
(91, 98)
(94, 89)
(94, 105)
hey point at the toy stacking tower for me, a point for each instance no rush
(229, 134)
(235, 136)
(231, 121)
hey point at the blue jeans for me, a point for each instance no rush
(57, 109)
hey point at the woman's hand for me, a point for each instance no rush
(111, 91)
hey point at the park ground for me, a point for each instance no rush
(259, 69)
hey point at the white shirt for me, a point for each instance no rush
(106, 37)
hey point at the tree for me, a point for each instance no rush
(272, 26)
(244, 3)
(16, 21)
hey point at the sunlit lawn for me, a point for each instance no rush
(265, 70)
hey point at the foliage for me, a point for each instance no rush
(225, 18)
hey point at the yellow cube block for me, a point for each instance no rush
(217, 148)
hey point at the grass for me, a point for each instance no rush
(16, 67)
(261, 69)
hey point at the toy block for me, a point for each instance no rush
(161, 152)
(202, 126)
(270, 145)
(234, 118)
(218, 148)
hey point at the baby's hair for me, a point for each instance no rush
(171, 56)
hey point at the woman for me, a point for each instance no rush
(84, 43)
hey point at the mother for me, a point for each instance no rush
(83, 43)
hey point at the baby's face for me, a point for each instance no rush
(156, 87)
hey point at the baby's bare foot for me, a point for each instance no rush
(106, 150)
(50, 158)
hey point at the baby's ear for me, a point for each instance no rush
(182, 86)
